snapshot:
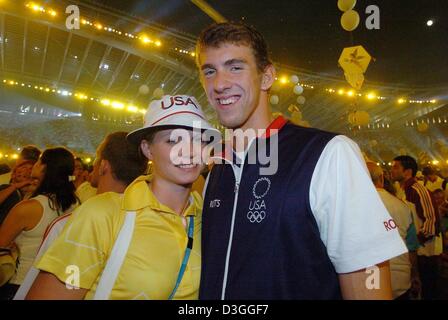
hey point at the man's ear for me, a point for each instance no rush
(104, 167)
(146, 150)
(268, 77)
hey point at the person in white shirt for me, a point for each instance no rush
(432, 181)
(404, 268)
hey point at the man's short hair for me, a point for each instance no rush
(408, 163)
(238, 34)
(30, 152)
(124, 157)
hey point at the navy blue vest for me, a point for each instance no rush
(276, 250)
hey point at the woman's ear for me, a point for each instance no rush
(146, 150)
(268, 77)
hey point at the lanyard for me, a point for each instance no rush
(186, 257)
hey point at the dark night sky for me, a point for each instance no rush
(307, 33)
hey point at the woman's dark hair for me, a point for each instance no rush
(60, 164)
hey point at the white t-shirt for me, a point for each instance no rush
(353, 222)
(400, 267)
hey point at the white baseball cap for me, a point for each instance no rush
(172, 111)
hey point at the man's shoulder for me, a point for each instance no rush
(293, 129)
(303, 136)
(391, 199)
(102, 205)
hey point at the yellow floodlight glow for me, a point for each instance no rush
(117, 105)
(1, 155)
(15, 156)
(11, 82)
(371, 96)
(99, 26)
(133, 109)
(435, 162)
(81, 96)
(401, 101)
(158, 43)
(105, 102)
(341, 92)
(350, 93)
(88, 160)
(145, 39)
(433, 101)
(283, 80)
(142, 111)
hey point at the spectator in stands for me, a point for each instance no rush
(432, 181)
(404, 169)
(20, 188)
(28, 152)
(26, 222)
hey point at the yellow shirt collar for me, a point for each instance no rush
(138, 196)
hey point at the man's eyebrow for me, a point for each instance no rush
(227, 63)
(207, 66)
(235, 61)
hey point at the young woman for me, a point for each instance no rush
(160, 218)
(26, 222)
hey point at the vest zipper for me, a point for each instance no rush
(235, 202)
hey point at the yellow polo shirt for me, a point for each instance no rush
(154, 256)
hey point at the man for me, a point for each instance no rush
(28, 153)
(307, 230)
(404, 268)
(116, 165)
(404, 169)
(19, 189)
(432, 181)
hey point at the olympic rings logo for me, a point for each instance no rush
(256, 216)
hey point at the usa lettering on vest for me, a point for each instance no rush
(178, 101)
